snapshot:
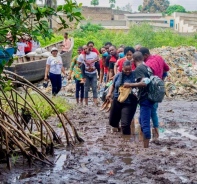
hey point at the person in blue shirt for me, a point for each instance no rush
(122, 111)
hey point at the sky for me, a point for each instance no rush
(190, 5)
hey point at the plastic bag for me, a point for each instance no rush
(64, 82)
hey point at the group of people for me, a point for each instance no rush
(26, 44)
(128, 68)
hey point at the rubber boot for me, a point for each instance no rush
(146, 143)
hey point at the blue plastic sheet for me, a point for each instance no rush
(6, 54)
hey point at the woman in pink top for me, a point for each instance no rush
(66, 44)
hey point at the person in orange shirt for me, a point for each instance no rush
(66, 44)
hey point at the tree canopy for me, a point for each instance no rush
(94, 2)
(127, 7)
(153, 6)
(25, 16)
(175, 8)
(140, 8)
(112, 3)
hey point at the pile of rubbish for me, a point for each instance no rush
(182, 77)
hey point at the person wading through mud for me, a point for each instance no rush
(142, 79)
(159, 68)
(75, 68)
(54, 68)
(128, 52)
(103, 68)
(90, 44)
(123, 109)
(111, 60)
(90, 74)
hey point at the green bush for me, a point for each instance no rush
(143, 34)
(54, 39)
(91, 27)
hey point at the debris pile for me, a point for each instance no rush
(182, 77)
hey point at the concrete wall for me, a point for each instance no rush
(144, 15)
(185, 22)
(106, 22)
(119, 17)
(119, 12)
(159, 25)
(155, 19)
(97, 13)
(102, 13)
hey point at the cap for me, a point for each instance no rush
(54, 49)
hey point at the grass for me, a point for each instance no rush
(40, 105)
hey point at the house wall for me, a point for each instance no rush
(185, 22)
(97, 13)
(155, 19)
(106, 22)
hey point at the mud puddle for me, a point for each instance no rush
(107, 157)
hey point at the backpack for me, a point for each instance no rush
(156, 87)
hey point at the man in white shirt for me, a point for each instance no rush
(90, 74)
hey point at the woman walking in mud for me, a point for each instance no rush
(124, 100)
(75, 69)
(54, 68)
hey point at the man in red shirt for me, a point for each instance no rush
(159, 67)
(155, 62)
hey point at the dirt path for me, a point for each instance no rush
(114, 159)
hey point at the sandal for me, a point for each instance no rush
(103, 107)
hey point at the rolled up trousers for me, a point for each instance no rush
(123, 112)
(145, 115)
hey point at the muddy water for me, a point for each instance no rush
(111, 158)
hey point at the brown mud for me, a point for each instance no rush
(110, 158)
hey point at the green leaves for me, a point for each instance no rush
(25, 16)
(153, 6)
(7, 86)
(175, 8)
(94, 2)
